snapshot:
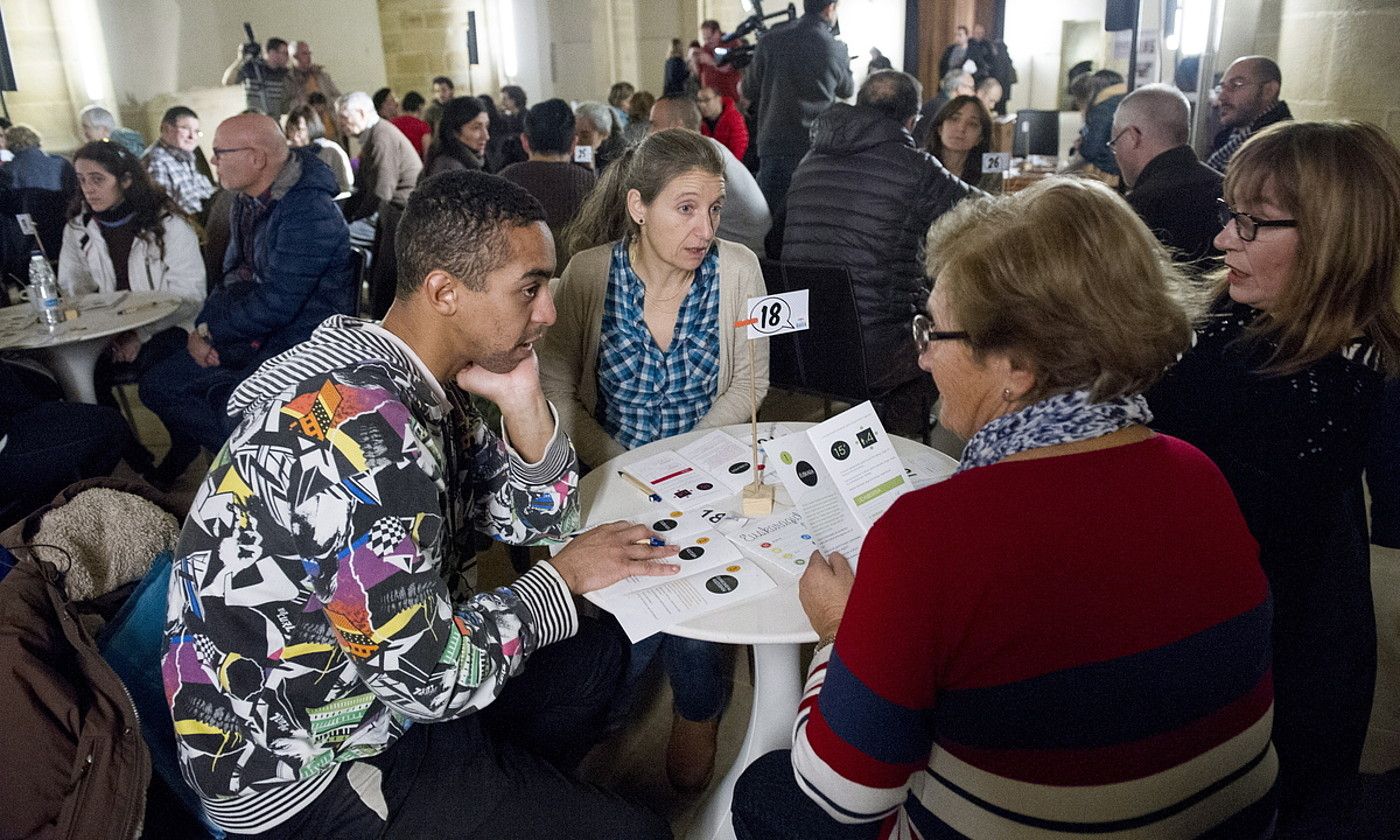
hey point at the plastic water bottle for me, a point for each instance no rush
(43, 290)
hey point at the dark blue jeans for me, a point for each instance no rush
(190, 399)
(699, 673)
(50, 446)
(774, 178)
(1383, 471)
(768, 805)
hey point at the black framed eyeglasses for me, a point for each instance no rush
(1247, 226)
(218, 153)
(924, 333)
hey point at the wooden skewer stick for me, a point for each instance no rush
(757, 498)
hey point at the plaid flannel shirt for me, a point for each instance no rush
(174, 169)
(643, 393)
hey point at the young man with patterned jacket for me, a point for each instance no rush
(330, 671)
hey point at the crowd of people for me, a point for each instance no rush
(1142, 601)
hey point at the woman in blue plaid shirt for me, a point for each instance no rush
(643, 349)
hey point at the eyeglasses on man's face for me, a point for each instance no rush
(1119, 136)
(1247, 226)
(218, 153)
(925, 334)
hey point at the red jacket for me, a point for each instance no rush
(729, 129)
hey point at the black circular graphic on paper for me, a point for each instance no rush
(806, 474)
(840, 450)
(740, 467)
(691, 553)
(704, 485)
(663, 525)
(720, 584)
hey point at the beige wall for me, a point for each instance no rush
(43, 98)
(1339, 59)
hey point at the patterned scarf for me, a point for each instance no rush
(1220, 158)
(1062, 418)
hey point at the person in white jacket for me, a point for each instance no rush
(126, 233)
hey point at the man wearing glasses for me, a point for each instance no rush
(1248, 97)
(1173, 192)
(287, 269)
(174, 163)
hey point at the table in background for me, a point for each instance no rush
(772, 623)
(71, 351)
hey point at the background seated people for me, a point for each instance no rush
(389, 165)
(411, 122)
(41, 184)
(504, 147)
(1071, 633)
(506, 137)
(47, 444)
(989, 91)
(286, 270)
(1282, 389)
(643, 349)
(98, 123)
(463, 131)
(1248, 96)
(597, 128)
(371, 609)
(1173, 192)
(1102, 92)
(638, 117)
(550, 174)
(174, 164)
(961, 133)
(746, 218)
(720, 119)
(304, 128)
(443, 91)
(864, 198)
(956, 82)
(619, 99)
(127, 234)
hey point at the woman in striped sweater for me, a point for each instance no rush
(1070, 636)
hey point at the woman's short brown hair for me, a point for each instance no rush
(1066, 280)
(1340, 180)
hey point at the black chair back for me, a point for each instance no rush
(383, 267)
(829, 359)
(784, 362)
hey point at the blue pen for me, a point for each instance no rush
(640, 485)
(656, 542)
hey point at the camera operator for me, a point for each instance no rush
(266, 81)
(721, 77)
(798, 71)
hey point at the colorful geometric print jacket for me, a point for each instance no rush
(321, 597)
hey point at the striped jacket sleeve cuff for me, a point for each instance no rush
(549, 601)
(558, 455)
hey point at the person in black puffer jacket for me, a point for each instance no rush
(864, 197)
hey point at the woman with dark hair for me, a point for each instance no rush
(461, 138)
(960, 135)
(304, 128)
(125, 233)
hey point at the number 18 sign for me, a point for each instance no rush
(777, 314)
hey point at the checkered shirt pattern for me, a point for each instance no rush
(643, 393)
(174, 170)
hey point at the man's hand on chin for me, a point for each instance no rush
(529, 423)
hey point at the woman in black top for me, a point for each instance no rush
(1282, 390)
(460, 141)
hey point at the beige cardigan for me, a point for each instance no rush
(569, 351)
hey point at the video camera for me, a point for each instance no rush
(251, 48)
(756, 24)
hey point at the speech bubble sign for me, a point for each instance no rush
(777, 314)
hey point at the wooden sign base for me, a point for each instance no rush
(757, 500)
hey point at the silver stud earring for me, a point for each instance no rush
(1006, 394)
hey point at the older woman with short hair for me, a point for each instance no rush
(644, 348)
(1282, 389)
(1069, 636)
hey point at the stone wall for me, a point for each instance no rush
(1338, 59)
(43, 99)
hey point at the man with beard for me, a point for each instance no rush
(329, 663)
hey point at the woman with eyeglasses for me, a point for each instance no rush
(126, 233)
(1069, 636)
(1281, 389)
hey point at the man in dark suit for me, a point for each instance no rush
(1173, 192)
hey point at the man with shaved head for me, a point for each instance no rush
(1173, 192)
(746, 218)
(287, 269)
(1249, 102)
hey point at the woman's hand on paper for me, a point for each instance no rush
(824, 589)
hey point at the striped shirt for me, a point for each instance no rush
(645, 394)
(1003, 670)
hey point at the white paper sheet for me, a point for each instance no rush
(678, 481)
(783, 540)
(723, 456)
(643, 612)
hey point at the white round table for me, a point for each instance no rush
(773, 623)
(71, 351)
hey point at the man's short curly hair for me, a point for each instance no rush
(457, 222)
